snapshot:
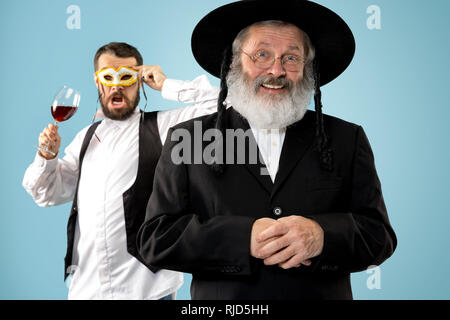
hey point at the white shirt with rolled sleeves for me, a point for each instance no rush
(102, 267)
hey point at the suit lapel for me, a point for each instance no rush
(299, 139)
(258, 169)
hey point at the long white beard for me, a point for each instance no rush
(268, 111)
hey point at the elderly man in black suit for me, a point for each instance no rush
(309, 211)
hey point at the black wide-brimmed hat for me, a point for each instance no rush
(329, 34)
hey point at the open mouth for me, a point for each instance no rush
(272, 86)
(117, 100)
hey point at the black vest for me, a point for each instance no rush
(136, 197)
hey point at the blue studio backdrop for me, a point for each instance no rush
(396, 88)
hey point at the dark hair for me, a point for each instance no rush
(221, 124)
(322, 140)
(119, 49)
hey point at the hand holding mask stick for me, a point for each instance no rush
(152, 76)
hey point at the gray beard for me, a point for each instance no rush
(268, 111)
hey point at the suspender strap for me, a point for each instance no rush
(74, 210)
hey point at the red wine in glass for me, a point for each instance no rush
(62, 113)
(64, 106)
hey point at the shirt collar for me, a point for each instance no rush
(268, 131)
(123, 123)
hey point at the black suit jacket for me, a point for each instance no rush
(200, 223)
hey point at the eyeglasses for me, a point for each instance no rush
(264, 59)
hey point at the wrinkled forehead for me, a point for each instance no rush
(278, 36)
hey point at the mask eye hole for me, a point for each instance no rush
(108, 77)
(125, 77)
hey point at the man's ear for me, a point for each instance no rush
(96, 80)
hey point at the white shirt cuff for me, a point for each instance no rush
(44, 164)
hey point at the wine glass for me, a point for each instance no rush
(64, 106)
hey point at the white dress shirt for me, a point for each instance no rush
(102, 267)
(270, 143)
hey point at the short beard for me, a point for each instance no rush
(123, 114)
(269, 111)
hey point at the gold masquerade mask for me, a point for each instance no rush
(123, 76)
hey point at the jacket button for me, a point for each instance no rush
(277, 211)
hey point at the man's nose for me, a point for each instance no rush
(277, 68)
(116, 88)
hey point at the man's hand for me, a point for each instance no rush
(259, 226)
(290, 242)
(50, 139)
(152, 76)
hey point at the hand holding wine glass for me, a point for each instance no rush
(64, 106)
(49, 142)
